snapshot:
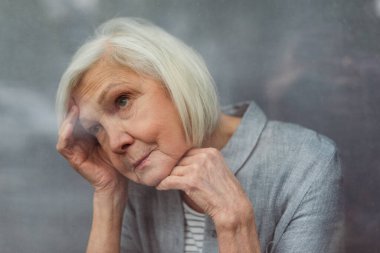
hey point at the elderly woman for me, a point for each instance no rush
(141, 122)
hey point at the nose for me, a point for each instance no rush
(118, 138)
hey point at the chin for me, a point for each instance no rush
(153, 182)
(153, 176)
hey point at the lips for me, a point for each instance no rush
(141, 160)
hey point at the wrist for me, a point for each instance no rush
(110, 199)
(115, 186)
(109, 203)
(107, 221)
(234, 219)
(111, 192)
(236, 230)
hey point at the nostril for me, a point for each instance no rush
(124, 147)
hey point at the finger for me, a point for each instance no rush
(71, 103)
(189, 161)
(64, 137)
(180, 171)
(173, 183)
(185, 160)
(73, 115)
(70, 118)
(66, 130)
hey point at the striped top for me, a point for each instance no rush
(194, 229)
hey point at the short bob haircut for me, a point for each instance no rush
(149, 50)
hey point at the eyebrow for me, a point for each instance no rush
(104, 93)
(100, 100)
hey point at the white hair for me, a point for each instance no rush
(149, 50)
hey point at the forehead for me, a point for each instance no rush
(100, 76)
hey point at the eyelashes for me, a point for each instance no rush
(122, 101)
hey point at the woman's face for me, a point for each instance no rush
(133, 119)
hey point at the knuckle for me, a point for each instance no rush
(213, 154)
(76, 162)
(164, 184)
(189, 189)
(204, 155)
(213, 151)
(193, 182)
(195, 167)
(61, 144)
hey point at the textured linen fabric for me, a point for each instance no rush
(291, 175)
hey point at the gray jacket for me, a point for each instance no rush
(291, 174)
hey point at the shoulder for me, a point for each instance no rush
(305, 189)
(296, 148)
(287, 160)
(292, 138)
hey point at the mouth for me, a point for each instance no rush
(140, 163)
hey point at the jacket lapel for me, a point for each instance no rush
(169, 222)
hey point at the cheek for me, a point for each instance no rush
(102, 140)
(147, 131)
(151, 126)
(166, 134)
(173, 143)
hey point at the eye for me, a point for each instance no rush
(122, 101)
(94, 130)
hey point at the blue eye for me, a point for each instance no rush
(122, 101)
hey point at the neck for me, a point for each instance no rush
(223, 132)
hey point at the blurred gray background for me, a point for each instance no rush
(312, 62)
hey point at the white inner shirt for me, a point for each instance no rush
(194, 229)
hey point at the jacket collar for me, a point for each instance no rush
(245, 138)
